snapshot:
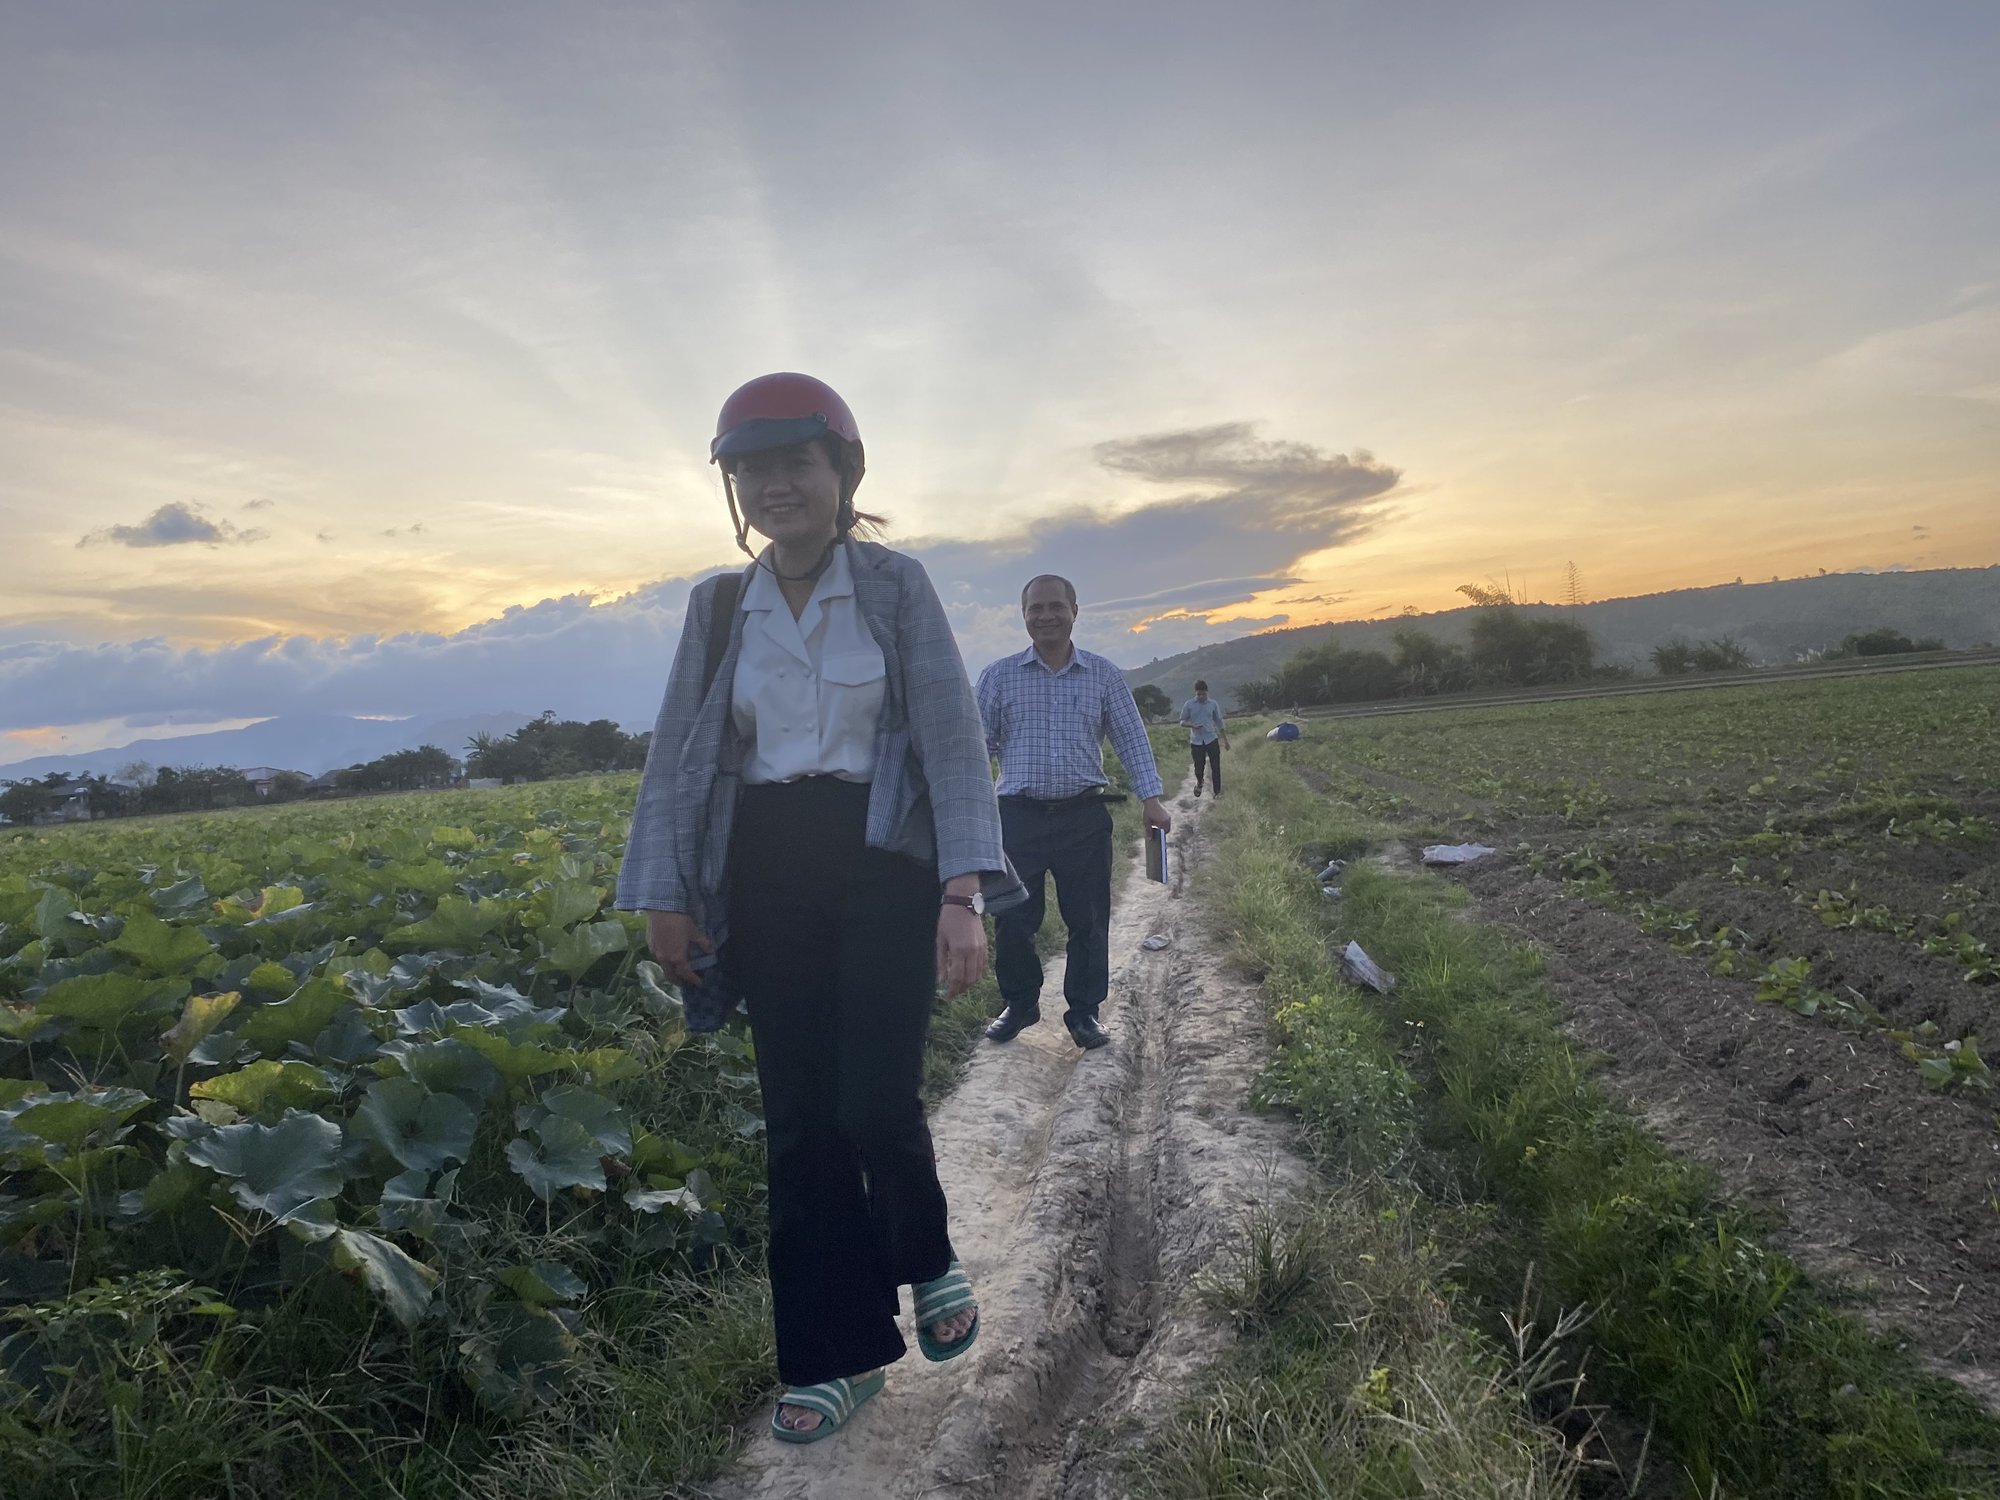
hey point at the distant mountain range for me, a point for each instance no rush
(311, 743)
(1776, 622)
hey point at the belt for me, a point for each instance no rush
(1055, 804)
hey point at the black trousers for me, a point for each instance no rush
(1212, 754)
(1071, 841)
(833, 946)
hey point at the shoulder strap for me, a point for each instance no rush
(719, 626)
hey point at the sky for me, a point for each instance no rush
(363, 358)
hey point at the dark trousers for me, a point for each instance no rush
(1212, 754)
(1071, 841)
(833, 946)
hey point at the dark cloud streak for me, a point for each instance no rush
(175, 524)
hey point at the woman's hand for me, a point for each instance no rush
(961, 950)
(675, 940)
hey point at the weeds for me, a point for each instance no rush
(1358, 1381)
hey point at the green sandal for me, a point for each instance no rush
(937, 1300)
(835, 1401)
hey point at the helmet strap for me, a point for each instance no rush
(736, 516)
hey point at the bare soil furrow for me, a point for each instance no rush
(1884, 1190)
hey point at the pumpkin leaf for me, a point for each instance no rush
(421, 1130)
(562, 1154)
(291, 1084)
(300, 1017)
(275, 1169)
(543, 1284)
(404, 1284)
(160, 947)
(202, 1015)
(575, 951)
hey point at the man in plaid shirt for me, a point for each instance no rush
(1048, 710)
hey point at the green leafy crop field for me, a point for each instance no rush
(1769, 918)
(321, 1129)
(1835, 842)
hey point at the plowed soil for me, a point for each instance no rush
(1887, 1192)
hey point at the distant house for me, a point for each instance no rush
(263, 778)
(72, 803)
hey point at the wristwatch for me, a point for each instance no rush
(975, 903)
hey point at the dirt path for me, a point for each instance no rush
(1086, 1190)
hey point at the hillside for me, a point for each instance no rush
(1775, 621)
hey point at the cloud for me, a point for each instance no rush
(415, 528)
(1153, 579)
(263, 504)
(1250, 510)
(175, 524)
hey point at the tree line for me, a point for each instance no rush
(547, 747)
(1506, 648)
(170, 789)
(138, 789)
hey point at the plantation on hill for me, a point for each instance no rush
(1776, 623)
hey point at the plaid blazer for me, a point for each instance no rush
(932, 794)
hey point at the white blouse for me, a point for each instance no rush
(808, 692)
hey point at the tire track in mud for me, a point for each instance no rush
(1087, 1190)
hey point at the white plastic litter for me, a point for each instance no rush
(1331, 871)
(1356, 967)
(1156, 942)
(1456, 854)
(1331, 892)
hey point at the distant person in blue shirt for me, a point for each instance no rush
(1048, 710)
(1206, 736)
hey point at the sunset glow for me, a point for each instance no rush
(327, 340)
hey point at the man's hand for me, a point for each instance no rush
(675, 940)
(1157, 815)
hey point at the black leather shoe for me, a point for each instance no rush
(1088, 1034)
(1010, 1023)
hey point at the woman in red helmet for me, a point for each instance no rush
(817, 831)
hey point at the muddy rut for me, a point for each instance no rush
(1086, 1191)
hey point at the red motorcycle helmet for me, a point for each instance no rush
(776, 411)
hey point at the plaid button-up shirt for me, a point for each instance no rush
(1047, 729)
